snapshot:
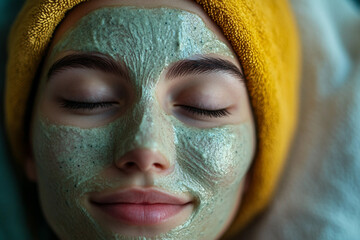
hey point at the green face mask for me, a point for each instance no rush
(208, 163)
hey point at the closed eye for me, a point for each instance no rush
(218, 113)
(74, 105)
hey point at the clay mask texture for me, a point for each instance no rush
(72, 161)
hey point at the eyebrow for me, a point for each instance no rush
(102, 62)
(90, 60)
(202, 66)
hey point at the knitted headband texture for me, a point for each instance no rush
(264, 37)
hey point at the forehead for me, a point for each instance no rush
(124, 31)
(84, 9)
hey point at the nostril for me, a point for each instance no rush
(158, 165)
(130, 165)
(143, 160)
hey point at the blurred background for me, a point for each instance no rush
(319, 194)
(12, 219)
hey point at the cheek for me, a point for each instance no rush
(69, 157)
(216, 157)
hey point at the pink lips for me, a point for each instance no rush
(140, 207)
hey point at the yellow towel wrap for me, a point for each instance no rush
(263, 35)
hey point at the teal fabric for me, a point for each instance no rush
(12, 219)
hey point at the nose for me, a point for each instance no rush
(143, 160)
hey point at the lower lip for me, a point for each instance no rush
(141, 214)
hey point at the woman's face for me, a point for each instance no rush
(142, 125)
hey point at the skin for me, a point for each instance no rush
(145, 139)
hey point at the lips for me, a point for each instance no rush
(140, 207)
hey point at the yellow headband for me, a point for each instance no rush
(263, 35)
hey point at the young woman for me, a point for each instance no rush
(145, 116)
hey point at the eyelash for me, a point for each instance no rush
(203, 112)
(85, 105)
(93, 105)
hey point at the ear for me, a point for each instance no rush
(30, 167)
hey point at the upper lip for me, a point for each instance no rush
(139, 196)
